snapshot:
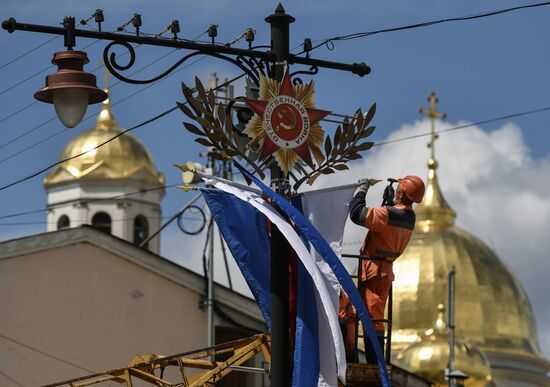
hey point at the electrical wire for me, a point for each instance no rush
(84, 221)
(90, 115)
(39, 72)
(9, 88)
(29, 51)
(43, 123)
(17, 111)
(11, 379)
(166, 112)
(482, 122)
(32, 145)
(146, 122)
(27, 132)
(158, 116)
(46, 353)
(92, 71)
(330, 41)
(88, 201)
(94, 114)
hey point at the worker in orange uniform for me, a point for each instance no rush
(390, 228)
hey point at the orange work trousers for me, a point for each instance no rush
(374, 292)
(347, 315)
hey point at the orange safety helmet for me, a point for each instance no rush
(413, 187)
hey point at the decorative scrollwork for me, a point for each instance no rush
(297, 80)
(111, 60)
(197, 220)
(248, 66)
(262, 66)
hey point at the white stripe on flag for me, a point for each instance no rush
(328, 314)
(327, 210)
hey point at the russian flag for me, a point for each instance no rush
(242, 213)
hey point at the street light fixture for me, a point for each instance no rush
(70, 89)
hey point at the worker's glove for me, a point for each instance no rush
(365, 184)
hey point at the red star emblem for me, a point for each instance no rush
(286, 122)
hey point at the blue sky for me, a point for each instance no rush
(481, 69)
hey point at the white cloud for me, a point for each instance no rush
(498, 191)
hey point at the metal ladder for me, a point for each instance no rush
(389, 307)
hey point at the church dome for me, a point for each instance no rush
(492, 309)
(430, 357)
(124, 158)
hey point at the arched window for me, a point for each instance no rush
(102, 222)
(63, 222)
(141, 230)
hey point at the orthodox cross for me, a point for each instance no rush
(433, 114)
(106, 77)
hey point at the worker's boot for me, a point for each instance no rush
(370, 355)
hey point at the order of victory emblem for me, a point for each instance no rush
(286, 124)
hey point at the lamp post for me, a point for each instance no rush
(71, 81)
(280, 366)
(455, 377)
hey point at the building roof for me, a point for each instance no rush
(243, 309)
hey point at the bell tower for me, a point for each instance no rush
(111, 185)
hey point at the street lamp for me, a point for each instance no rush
(70, 89)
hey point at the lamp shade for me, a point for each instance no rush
(70, 88)
(70, 105)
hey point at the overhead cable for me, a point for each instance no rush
(357, 35)
(45, 353)
(11, 379)
(90, 115)
(158, 116)
(28, 52)
(87, 201)
(39, 72)
(508, 116)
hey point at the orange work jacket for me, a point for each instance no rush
(390, 229)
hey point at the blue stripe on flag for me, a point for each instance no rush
(245, 231)
(337, 267)
(306, 347)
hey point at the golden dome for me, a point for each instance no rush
(492, 309)
(430, 357)
(123, 158)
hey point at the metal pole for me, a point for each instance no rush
(280, 357)
(389, 327)
(451, 325)
(210, 299)
(211, 163)
(12, 25)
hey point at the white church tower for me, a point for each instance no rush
(115, 188)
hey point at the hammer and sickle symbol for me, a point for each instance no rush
(282, 114)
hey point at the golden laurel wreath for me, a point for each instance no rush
(215, 129)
